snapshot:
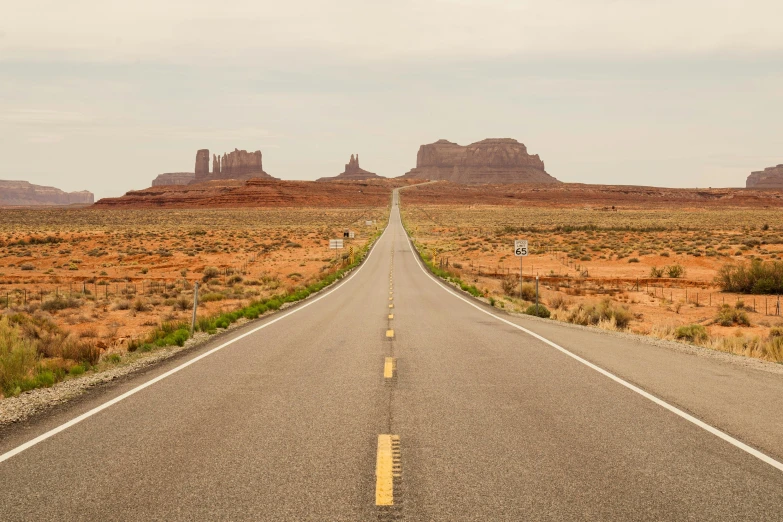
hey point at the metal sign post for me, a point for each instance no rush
(195, 308)
(520, 250)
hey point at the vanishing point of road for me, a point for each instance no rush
(392, 397)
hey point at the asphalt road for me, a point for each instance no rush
(493, 423)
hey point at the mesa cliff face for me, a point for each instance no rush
(173, 178)
(771, 177)
(497, 160)
(22, 193)
(352, 172)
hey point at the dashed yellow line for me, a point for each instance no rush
(390, 333)
(391, 305)
(389, 365)
(387, 467)
(391, 316)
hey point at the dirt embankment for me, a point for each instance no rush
(260, 193)
(599, 197)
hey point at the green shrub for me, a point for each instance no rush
(776, 331)
(656, 272)
(692, 333)
(756, 277)
(538, 311)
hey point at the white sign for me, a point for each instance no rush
(520, 247)
(335, 243)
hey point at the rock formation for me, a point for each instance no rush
(173, 178)
(352, 172)
(499, 160)
(239, 164)
(202, 163)
(22, 193)
(771, 177)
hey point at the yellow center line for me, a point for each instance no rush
(390, 333)
(386, 468)
(391, 316)
(391, 305)
(389, 365)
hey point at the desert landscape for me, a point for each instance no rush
(651, 261)
(88, 287)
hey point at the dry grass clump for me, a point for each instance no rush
(768, 349)
(730, 316)
(34, 352)
(604, 314)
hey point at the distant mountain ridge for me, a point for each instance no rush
(24, 194)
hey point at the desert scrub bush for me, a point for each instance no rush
(633, 260)
(140, 306)
(122, 304)
(729, 316)
(776, 331)
(675, 271)
(210, 272)
(692, 333)
(59, 303)
(538, 311)
(211, 296)
(18, 358)
(605, 311)
(34, 352)
(27, 266)
(756, 277)
(183, 303)
(559, 302)
(656, 272)
(511, 289)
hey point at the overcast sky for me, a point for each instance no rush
(104, 95)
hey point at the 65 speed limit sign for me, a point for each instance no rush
(520, 247)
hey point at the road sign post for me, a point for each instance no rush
(520, 250)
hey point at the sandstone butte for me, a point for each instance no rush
(260, 193)
(239, 164)
(771, 177)
(23, 193)
(173, 178)
(352, 172)
(496, 160)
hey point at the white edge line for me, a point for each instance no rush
(690, 418)
(54, 431)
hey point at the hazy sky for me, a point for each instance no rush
(104, 95)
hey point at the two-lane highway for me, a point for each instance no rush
(392, 397)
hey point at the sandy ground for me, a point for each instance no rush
(585, 256)
(124, 272)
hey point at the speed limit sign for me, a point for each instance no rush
(520, 247)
